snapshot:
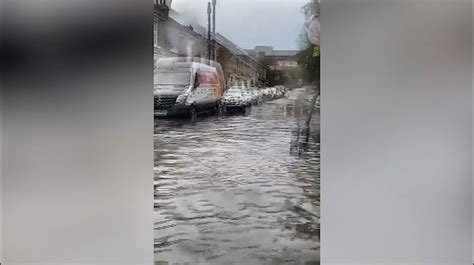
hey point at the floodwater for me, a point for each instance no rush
(239, 189)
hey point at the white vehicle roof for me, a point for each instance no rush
(190, 62)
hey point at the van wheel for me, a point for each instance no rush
(193, 112)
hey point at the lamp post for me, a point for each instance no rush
(209, 30)
(214, 2)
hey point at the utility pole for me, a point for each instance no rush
(209, 31)
(214, 2)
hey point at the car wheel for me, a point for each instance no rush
(223, 109)
(193, 112)
(248, 109)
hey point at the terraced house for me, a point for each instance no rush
(177, 36)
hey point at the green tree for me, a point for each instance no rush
(311, 8)
(267, 61)
(308, 59)
(310, 65)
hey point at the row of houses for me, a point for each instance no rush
(176, 36)
(281, 59)
(282, 64)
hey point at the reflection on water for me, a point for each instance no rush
(239, 189)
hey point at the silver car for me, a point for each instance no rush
(237, 97)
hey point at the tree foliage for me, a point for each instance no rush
(310, 65)
(267, 61)
(308, 59)
(312, 8)
(275, 77)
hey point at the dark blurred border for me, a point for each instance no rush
(77, 131)
(68, 36)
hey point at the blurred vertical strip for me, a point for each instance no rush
(396, 132)
(1, 130)
(77, 131)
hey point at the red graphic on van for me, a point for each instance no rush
(210, 79)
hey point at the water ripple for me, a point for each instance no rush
(238, 189)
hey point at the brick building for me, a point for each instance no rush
(175, 36)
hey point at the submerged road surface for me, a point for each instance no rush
(239, 189)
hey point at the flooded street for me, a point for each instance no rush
(239, 189)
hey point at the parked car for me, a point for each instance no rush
(267, 94)
(274, 92)
(185, 87)
(260, 95)
(279, 91)
(237, 98)
(251, 95)
(256, 99)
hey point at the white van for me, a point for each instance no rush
(187, 86)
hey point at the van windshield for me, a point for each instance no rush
(172, 78)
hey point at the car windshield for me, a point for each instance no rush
(172, 78)
(234, 92)
(237, 88)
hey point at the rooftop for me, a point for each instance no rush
(269, 51)
(186, 21)
(266, 49)
(230, 45)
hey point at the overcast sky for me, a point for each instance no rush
(251, 22)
